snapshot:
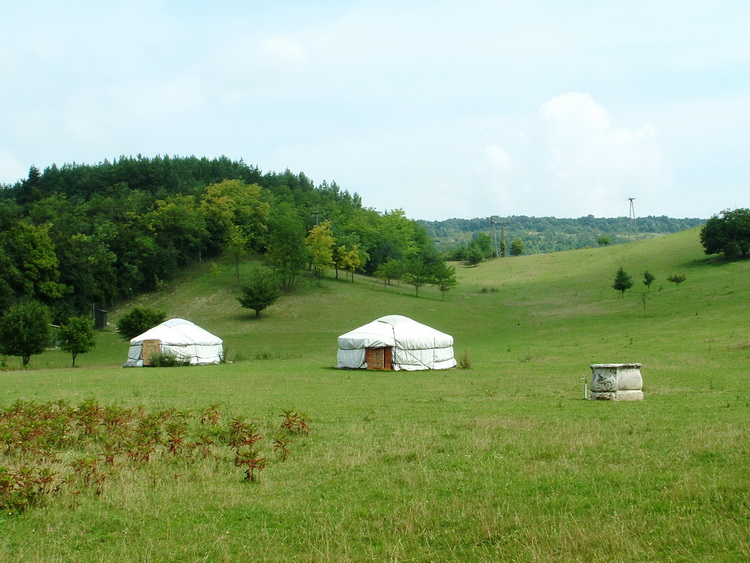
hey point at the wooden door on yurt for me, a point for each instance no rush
(149, 349)
(378, 358)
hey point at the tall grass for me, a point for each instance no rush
(503, 461)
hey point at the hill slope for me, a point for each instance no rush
(503, 461)
(555, 307)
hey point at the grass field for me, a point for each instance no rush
(502, 461)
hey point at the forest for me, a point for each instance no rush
(541, 235)
(81, 236)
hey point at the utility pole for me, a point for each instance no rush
(502, 239)
(631, 221)
(494, 235)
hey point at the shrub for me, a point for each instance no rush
(138, 320)
(168, 360)
(80, 447)
(464, 362)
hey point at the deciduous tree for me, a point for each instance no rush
(350, 259)
(25, 331)
(287, 250)
(727, 233)
(516, 247)
(138, 320)
(445, 278)
(233, 202)
(320, 243)
(417, 273)
(77, 336)
(648, 279)
(237, 247)
(676, 279)
(178, 224)
(389, 271)
(32, 254)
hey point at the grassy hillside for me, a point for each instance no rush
(501, 461)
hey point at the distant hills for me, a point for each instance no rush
(541, 235)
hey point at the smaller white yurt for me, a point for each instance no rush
(395, 342)
(185, 340)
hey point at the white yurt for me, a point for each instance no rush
(185, 340)
(395, 342)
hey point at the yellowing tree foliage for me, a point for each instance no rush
(320, 243)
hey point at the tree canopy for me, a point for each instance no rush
(138, 320)
(727, 233)
(81, 235)
(76, 337)
(25, 331)
(260, 291)
(549, 234)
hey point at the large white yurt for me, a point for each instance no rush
(395, 342)
(185, 340)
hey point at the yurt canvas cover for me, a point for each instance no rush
(395, 342)
(183, 339)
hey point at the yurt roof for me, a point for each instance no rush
(393, 330)
(175, 332)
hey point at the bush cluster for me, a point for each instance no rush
(49, 447)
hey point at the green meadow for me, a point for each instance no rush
(502, 461)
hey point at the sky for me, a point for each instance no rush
(442, 108)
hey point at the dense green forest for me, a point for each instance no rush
(541, 235)
(78, 236)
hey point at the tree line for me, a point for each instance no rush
(539, 235)
(82, 235)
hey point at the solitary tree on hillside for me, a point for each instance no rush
(77, 336)
(516, 247)
(260, 292)
(728, 234)
(445, 278)
(623, 282)
(648, 279)
(25, 331)
(676, 279)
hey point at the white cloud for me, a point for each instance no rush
(595, 164)
(436, 107)
(498, 159)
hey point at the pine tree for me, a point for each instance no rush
(623, 282)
